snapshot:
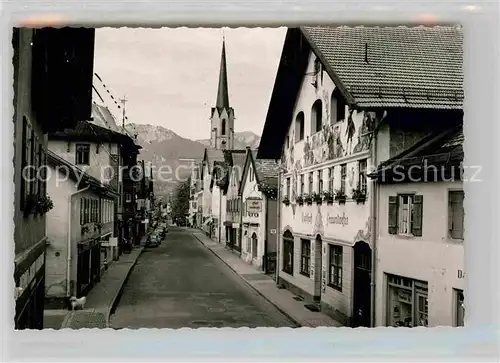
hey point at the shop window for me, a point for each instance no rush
(459, 307)
(82, 154)
(331, 170)
(405, 214)
(316, 117)
(305, 259)
(288, 253)
(254, 245)
(362, 175)
(456, 214)
(335, 267)
(407, 302)
(343, 177)
(299, 127)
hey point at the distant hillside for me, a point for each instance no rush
(165, 149)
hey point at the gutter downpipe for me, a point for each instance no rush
(373, 212)
(69, 259)
(278, 223)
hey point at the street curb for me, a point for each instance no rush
(118, 295)
(295, 321)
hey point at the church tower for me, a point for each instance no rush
(222, 117)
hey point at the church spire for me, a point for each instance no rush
(222, 92)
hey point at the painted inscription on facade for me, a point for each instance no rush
(307, 218)
(337, 219)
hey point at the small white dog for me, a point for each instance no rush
(75, 303)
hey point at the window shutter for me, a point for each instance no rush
(416, 227)
(393, 215)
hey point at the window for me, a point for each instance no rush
(317, 73)
(302, 184)
(288, 187)
(337, 107)
(331, 170)
(362, 175)
(316, 117)
(288, 253)
(456, 214)
(460, 308)
(299, 127)
(305, 257)
(335, 267)
(310, 186)
(223, 127)
(254, 245)
(407, 302)
(343, 176)
(320, 181)
(405, 214)
(250, 171)
(128, 198)
(82, 154)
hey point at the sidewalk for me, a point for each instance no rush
(282, 299)
(101, 300)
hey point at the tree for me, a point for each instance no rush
(180, 204)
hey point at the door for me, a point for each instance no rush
(318, 266)
(362, 285)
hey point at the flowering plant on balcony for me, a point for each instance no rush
(300, 199)
(37, 204)
(359, 195)
(340, 196)
(85, 229)
(308, 199)
(317, 198)
(98, 226)
(286, 200)
(328, 196)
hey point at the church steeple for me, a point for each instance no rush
(222, 117)
(222, 92)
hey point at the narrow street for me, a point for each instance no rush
(182, 284)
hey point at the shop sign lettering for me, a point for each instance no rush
(338, 219)
(460, 274)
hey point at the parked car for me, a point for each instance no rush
(153, 240)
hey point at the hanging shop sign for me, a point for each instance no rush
(254, 206)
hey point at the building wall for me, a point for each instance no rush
(338, 224)
(28, 231)
(434, 257)
(216, 217)
(207, 195)
(272, 225)
(57, 233)
(100, 164)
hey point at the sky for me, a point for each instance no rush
(170, 76)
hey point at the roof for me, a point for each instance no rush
(266, 171)
(87, 131)
(79, 176)
(394, 66)
(372, 67)
(432, 158)
(222, 91)
(102, 117)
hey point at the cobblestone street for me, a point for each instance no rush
(182, 284)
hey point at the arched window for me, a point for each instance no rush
(254, 245)
(316, 116)
(299, 127)
(288, 252)
(223, 127)
(337, 106)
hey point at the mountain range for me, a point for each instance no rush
(168, 151)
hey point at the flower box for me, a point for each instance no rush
(340, 197)
(359, 195)
(286, 201)
(308, 199)
(317, 198)
(300, 200)
(328, 197)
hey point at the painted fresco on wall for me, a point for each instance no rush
(338, 140)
